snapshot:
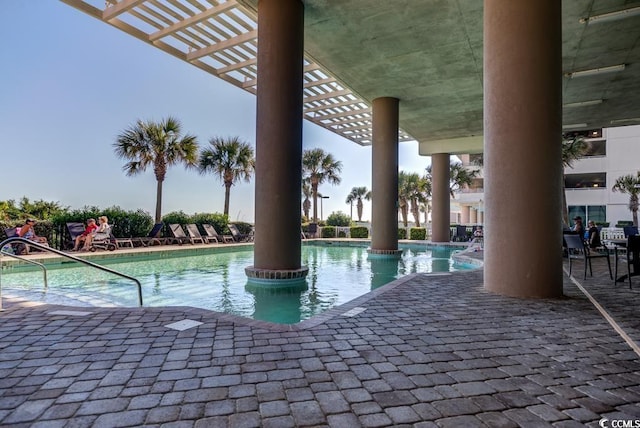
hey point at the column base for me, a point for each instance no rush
(276, 277)
(384, 254)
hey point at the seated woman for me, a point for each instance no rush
(28, 232)
(102, 232)
(86, 235)
(594, 236)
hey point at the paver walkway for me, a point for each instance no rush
(427, 351)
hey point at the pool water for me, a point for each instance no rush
(217, 281)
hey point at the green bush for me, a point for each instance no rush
(359, 232)
(328, 232)
(244, 228)
(338, 219)
(602, 223)
(418, 233)
(402, 233)
(124, 224)
(342, 234)
(218, 220)
(624, 223)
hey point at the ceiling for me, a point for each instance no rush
(427, 53)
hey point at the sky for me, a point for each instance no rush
(70, 84)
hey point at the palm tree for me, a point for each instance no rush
(306, 204)
(229, 159)
(319, 167)
(413, 191)
(459, 177)
(357, 193)
(403, 197)
(572, 149)
(629, 184)
(159, 144)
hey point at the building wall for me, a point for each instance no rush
(622, 157)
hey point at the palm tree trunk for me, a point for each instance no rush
(416, 212)
(314, 190)
(405, 213)
(159, 201)
(227, 192)
(360, 204)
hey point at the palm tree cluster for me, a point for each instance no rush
(161, 144)
(413, 192)
(319, 167)
(356, 195)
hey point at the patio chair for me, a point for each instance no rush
(211, 232)
(194, 234)
(630, 255)
(152, 237)
(630, 230)
(576, 249)
(237, 236)
(178, 234)
(312, 230)
(75, 229)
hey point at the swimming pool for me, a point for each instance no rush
(216, 281)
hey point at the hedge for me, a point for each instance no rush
(418, 233)
(328, 232)
(402, 233)
(359, 232)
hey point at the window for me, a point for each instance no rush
(597, 213)
(595, 148)
(592, 180)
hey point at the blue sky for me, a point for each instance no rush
(71, 83)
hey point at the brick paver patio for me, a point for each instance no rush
(427, 351)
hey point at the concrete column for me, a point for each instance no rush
(384, 183)
(522, 153)
(441, 197)
(480, 217)
(465, 215)
(473, 215)
(277, 251)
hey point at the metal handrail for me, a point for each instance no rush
(69, 256)
(33, 262)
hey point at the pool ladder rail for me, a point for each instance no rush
(60, 253)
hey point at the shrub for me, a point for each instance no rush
(418, 233)
(624, 223)
(402, 233)
(219, 221)
(328, 232)
(177, 217)
(359, 232)
(338, 219)
(602, 223)
(342, 234)
(244, 228)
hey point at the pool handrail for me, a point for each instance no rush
(33, 262)
(68, 256)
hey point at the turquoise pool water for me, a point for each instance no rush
(217, 282)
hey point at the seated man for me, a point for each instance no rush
(88, 231)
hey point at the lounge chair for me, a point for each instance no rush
(152, 238)
(237, 236)
(75, 229)
(629, 253)
(194, 234)
(213, 233)
(178, 234)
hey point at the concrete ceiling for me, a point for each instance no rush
(427, 53)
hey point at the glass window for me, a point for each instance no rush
(597, 213)
(595, 148)
(577, 210)
(592, 180)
